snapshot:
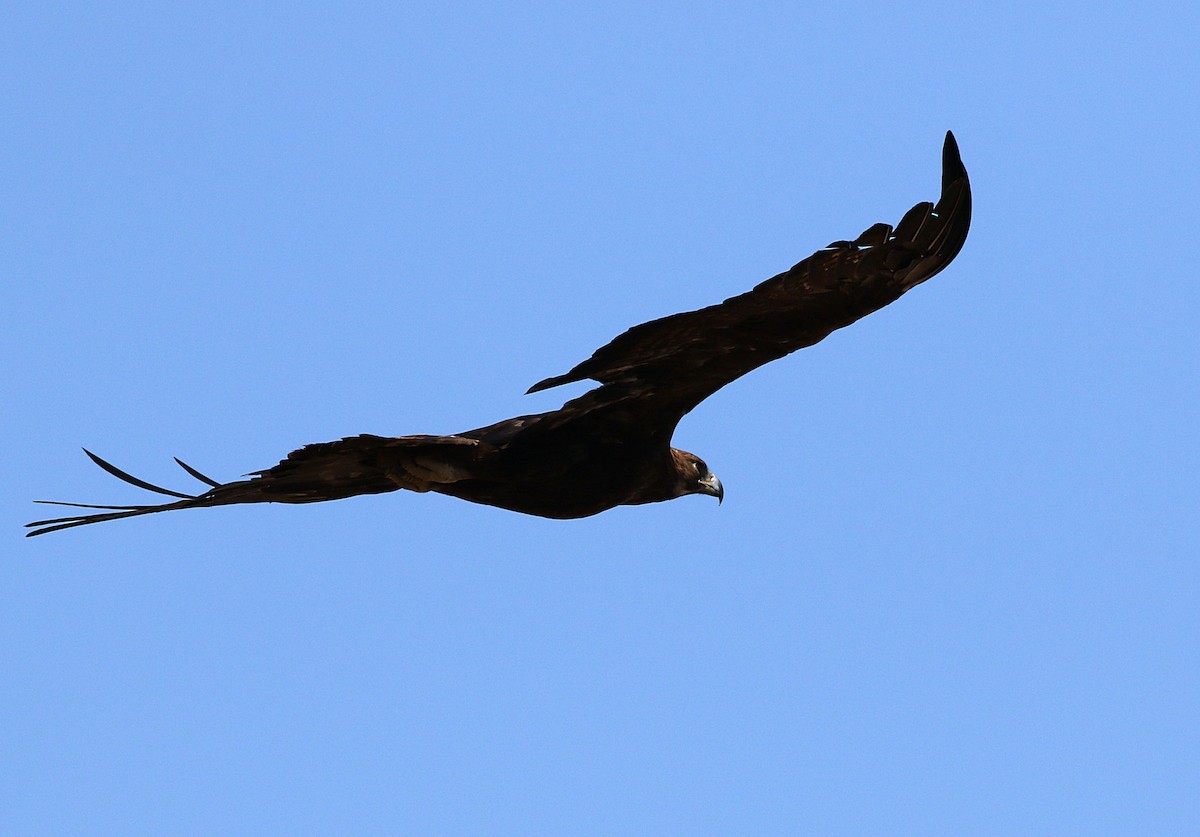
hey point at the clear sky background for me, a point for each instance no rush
(952, 588)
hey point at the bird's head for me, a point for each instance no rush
(694, 476)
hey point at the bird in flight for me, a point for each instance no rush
(612, 445)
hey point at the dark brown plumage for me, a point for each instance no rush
(611, 446)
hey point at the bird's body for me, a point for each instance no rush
(611, 446)
(538, 472)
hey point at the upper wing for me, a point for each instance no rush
(676, 362)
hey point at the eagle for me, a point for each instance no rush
(612, 445)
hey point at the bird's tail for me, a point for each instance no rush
(327, 471)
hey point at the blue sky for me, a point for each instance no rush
(952, 588)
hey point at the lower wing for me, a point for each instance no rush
(315, 473)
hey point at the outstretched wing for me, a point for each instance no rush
(672, 364)
(327, 471)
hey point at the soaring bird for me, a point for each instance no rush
(612, 445)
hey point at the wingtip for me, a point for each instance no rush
(132, 480)
(952, 164)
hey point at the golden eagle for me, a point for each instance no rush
(612, 445)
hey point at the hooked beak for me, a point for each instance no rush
(711, 486)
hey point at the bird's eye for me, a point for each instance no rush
(701, 468)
